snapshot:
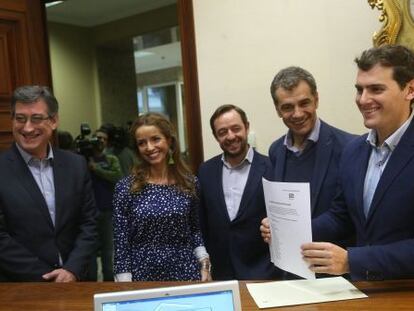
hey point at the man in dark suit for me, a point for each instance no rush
(47, 211)
(311, 149)
(232, 201)
(376, 194)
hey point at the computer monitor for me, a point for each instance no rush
(214, 296)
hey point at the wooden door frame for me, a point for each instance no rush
(25, 55)
(191, 90)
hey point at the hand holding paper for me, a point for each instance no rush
(265, 230)
(288, 210)
(325, 257)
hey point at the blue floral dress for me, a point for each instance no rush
(155, 232)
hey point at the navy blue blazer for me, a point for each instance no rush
(323, 185)
(385, 239)
(236, 248)
(29, 242)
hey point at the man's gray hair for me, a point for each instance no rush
(289, 78)
(32, 93)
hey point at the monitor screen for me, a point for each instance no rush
(212, 301)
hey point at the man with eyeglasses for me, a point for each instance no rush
(47, 210)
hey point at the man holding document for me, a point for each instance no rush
(308, 153)
(288, 208)
(376, 195)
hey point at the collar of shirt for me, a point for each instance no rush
(313, 137)
(28, 158)
(393, 140)
(248, 158)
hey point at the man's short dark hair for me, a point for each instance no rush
(32, 93)
(226, 108)
(397, 57)
(289, 78)
(65, 140)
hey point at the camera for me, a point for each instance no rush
(85, 145)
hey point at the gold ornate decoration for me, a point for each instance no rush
(391, 18)
(406, 34)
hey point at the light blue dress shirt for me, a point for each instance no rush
(234, 181)
(312, 138)
(378, 160)
(42, 171)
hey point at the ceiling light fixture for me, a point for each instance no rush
(52, 3)
(140, 54)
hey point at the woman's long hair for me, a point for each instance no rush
(177, 171)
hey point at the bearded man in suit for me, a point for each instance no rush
(232, 201)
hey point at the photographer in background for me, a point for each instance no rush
(118, 145)
(105, 172)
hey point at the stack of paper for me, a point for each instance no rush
(287, 293)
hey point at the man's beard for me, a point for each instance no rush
(243, 149)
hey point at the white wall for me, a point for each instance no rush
(241, 44)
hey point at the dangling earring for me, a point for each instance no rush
(170, 157)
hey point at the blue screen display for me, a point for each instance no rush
(215, 301)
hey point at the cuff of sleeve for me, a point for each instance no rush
(123, 277)
(200, 253)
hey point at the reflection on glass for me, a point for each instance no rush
(161, 37)
(165, 99)
(140, 100)
(162, 99)
(159, 78)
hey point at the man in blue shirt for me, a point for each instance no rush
(375, 197)
(232, 201)
(311, 149)
(47, 211)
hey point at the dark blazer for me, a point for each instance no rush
(385, 239)
(29, 242)
(236, 248)
(323, 185)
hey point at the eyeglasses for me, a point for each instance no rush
(34, 118)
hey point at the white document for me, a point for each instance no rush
(289, 212)
(287, 293)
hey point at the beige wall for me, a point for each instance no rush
(241, 44)
(74, 76)
(118, 87)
